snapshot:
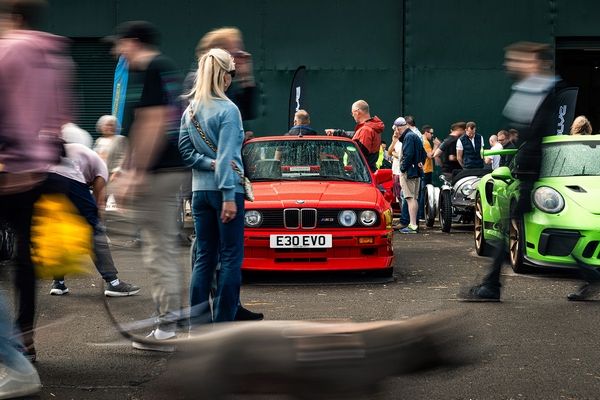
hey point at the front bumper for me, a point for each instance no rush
(551, 242)
(346, 253)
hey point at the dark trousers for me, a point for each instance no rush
(216, 243)
(80, 196)
(492, 279)
(17, 210)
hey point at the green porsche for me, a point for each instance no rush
(565, 221)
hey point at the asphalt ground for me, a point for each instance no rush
(533, 345)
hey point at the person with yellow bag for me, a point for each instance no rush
(84, 169)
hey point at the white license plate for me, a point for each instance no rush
(301, 241)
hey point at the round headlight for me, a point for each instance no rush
(368, 217)
(467, 189)
(252, 218)
(548, 200)
(347, 218)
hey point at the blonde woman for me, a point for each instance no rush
(581, 126)
(210, 142)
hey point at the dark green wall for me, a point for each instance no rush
(438, 60)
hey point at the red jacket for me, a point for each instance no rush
(368, 133)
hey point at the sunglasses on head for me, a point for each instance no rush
(232, 73)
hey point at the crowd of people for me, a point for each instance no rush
(170, 125)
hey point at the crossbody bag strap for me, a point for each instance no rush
(211, 144)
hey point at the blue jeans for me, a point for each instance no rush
(404, 217)
(9, 355)
(216, 242)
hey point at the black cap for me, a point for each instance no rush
(143, 31)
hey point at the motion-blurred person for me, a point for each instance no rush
(242, 91)
(111, 148)
(495, 144)
(210, 141)
(469, 148)
(504, 138)
(445, 155)
(581, 126)
(34, 86)
(84, 170)
(154, 169)
(301, 125)
(367, 133)
(531, 107)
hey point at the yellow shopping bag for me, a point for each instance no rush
(61, 239)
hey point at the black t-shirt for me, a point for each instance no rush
(157, 85)
(448, 146)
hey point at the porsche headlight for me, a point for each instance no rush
(548, 200)
(252, 218)
(347, 218)
(368, 217)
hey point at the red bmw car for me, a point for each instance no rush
(317, 207)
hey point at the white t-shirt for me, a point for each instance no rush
(82, 164)
(495, 159)
(396, 160)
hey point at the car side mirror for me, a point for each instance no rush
(382, 176)
(503, 174)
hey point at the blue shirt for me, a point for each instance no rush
(221, 122)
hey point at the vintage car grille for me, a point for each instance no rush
(304, 218)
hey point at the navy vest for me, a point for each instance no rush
(472, 156)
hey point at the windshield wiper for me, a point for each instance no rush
(272, 179)
(336, 178)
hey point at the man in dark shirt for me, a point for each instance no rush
(447, 149)
(155, 171)
(301, 125)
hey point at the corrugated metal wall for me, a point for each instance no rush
(438, 60)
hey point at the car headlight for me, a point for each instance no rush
(467, 189)
(368, 217)
(548, 200)
(347, 218)
(252, 218)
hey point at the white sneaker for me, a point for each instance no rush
(155, 341)
(17, 384)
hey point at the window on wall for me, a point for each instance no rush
(93, 81)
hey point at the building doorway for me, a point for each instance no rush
(578, 63)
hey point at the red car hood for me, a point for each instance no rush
(314, 194)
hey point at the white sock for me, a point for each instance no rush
(162, 335)
(115, 282)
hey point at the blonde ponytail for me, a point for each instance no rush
(210, 81)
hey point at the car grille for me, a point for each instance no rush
(305, 218)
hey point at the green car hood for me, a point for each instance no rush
(581, 190)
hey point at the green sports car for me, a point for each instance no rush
(565, 221)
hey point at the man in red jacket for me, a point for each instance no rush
(367, 133)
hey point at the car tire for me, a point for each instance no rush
(515, 245)
(445, 211)
(429, 212)
(482, 248)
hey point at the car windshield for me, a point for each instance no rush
(571, 159)
(306, 159)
